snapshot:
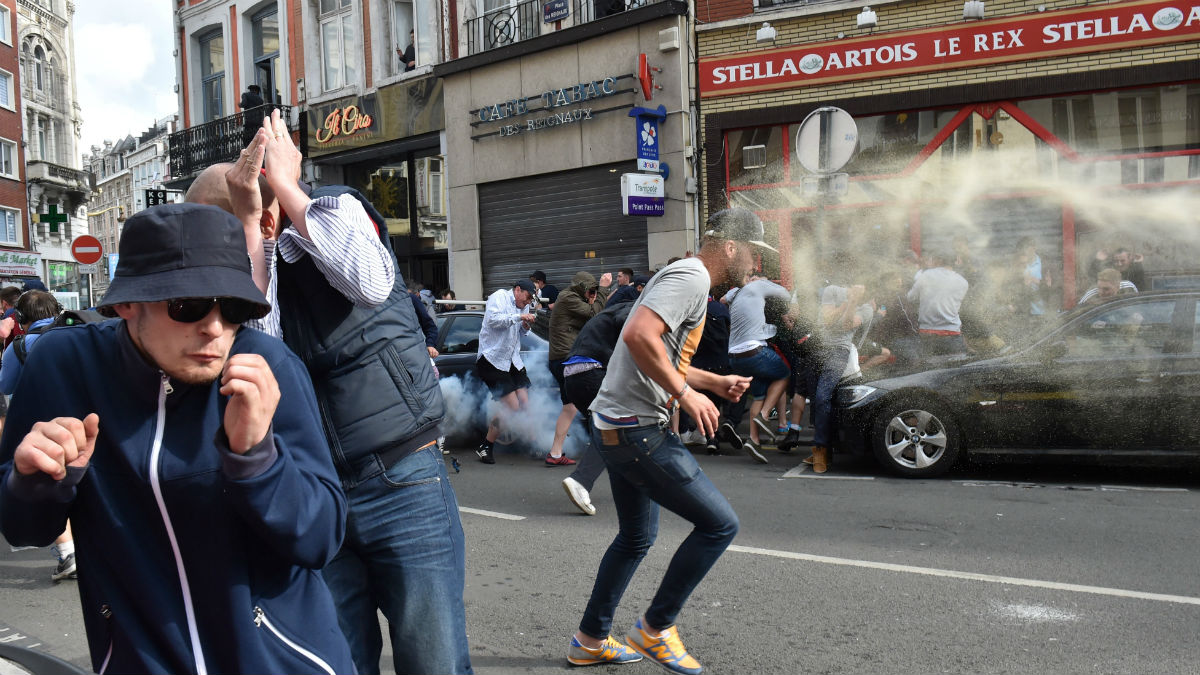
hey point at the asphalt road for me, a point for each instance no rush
(995, 569)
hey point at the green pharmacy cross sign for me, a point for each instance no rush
(53, 218)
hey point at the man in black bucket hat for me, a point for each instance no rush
(186, 451)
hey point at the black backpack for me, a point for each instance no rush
(66, 318)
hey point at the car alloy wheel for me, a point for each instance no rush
(915, 440)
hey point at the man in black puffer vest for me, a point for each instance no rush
(340, 304)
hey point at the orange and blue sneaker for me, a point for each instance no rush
(666, 650)
(610, 651)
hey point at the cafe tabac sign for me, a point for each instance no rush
(394, 112)
(978, 43)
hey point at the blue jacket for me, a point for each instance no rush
(189, 555)
(10, 365)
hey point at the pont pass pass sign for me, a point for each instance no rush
(1031, 36)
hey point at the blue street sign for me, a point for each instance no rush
(555, 10)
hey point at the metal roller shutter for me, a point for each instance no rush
(550, 222)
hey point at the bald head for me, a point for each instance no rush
(211, 188)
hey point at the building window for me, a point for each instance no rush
(9, 219)
(6, 90)
(5, 26)
(38, 57)
(339, 44)
(212, 75)
(265, 35)
(8, 159)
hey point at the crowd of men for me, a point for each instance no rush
(252, 473)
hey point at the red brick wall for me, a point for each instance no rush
(12, 192)
(233, 49)
(295, 48)
(366, 42)
(720, 10)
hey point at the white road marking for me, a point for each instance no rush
(1138, 488)
(1081, 488)
(970, 576)
(490, 514)
(803, 471)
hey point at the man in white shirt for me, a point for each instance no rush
(939, 292)
(507, 316)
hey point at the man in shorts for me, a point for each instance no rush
(649, 466)
(507, 316)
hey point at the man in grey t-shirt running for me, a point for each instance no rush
(648, 376)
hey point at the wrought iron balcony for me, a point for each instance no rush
(196, 148)
(590, 10)
(513, 22)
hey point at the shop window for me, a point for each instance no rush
(763, 147)
(339, 44)
(212, 75)
(431, 205)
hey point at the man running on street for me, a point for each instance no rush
(648, 376)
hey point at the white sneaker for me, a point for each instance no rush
(692, 437)
(578, 495)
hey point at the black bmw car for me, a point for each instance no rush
(1119, 379)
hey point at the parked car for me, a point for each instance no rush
(458, 343)
(1117, 379)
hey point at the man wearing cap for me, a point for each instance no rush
(648, 377)
(506, 317)
(189, 460)
(344, 309)
(544, 290)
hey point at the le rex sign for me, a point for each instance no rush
(1031, 36)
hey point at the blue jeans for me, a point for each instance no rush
(824, 372)
(650, 467)
(765, 367)
(404, 555)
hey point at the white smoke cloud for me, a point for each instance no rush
(469, 405)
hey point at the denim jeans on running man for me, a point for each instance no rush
(650, 467)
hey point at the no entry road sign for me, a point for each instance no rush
(86, 249)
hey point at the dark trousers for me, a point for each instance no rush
(580, 390)
(825, 370)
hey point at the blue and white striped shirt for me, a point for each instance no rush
(343, 246)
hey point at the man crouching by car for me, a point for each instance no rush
(187, 453)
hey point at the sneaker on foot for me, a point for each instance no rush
(730, 435)
(667, 650)
(754, 451)
(66, 569)
(486, 453)
(578, 495)
(789, 441)
(692, 437)
(764, 427)
(710, 446)
(561, 460)
(609, 652)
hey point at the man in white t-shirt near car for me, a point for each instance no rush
(649, 466)
(939, 291)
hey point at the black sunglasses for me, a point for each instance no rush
(191, 310)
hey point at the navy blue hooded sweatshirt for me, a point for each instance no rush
(191, 558)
